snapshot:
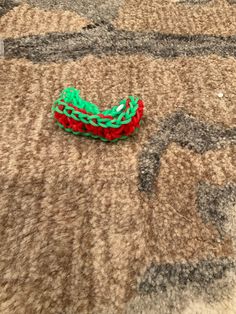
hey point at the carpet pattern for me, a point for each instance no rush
(142, 226)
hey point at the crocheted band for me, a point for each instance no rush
(75, 115)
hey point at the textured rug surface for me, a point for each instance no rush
(146, 225)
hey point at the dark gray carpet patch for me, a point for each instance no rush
(7, 5)
(213, 202)
(96, 10)
(188, 132)
(201, 276)
(102, 39)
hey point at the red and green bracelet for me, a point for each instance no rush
(75, 115)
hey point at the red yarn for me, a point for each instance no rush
(108, 133)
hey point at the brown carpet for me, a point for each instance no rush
(144, 226)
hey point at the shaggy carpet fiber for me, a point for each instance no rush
(142, 226)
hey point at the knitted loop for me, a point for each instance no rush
(78, 116)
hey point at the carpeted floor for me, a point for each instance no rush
(144, 226)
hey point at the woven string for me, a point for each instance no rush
(71, 96)
(78, 116)
(123, 137)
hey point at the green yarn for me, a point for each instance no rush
(120, 114)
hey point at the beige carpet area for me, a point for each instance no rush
(141, 226)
